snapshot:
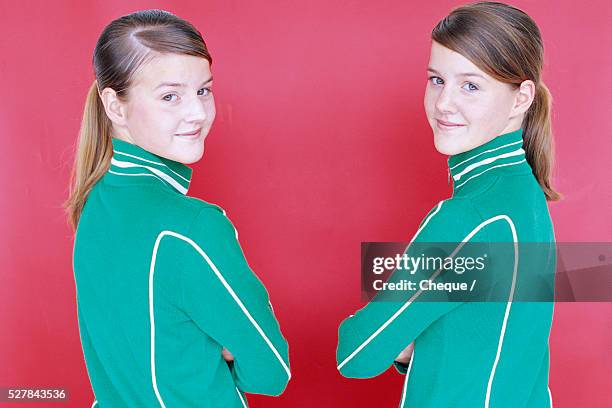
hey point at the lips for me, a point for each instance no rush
(192, 133)
(447, 125)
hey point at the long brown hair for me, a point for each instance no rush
(506, 43)
(123, 47)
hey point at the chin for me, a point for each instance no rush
(193, 158)
(447, 151)
(447, 145)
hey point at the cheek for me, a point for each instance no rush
(429, 102)
(138, 122)
(211, 109)
(486, 117)
(152, 123)
(161, 118)
(142, 115)
(477, 110)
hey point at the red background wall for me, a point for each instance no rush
(320, 142)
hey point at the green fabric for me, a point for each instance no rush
(162, 285)
(467, 354)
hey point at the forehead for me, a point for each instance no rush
(177, 68)
(447, 61)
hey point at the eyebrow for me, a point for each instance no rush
(179, 84)
(465, 74)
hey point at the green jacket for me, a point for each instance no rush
(162, 286)
(468, 354)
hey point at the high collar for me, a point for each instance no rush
(503, 153)
(133, 163)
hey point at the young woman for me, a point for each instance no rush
(170, 314)
(490, 112)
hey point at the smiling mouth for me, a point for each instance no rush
(193, 133)
(447, 125)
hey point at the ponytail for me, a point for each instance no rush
(539, 142)
(92, 157)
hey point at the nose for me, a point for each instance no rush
(445, 101)
(196, 111)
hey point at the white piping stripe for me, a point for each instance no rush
(365, 343)
(223, 281)
(135, 174)
(151, 161)
(435, 274)
(139, 158)
(94, 403)
(241, 399)
(491, 168)
(486, 151)
(406, 380)
(487, 161)
(425, 224)
(548, 387)
(152, 320)
(159, 173)
(505, 321)
(549, 397)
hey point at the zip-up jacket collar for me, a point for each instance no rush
(131, 163)
(503, 153)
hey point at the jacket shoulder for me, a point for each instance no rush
(449, 220)
(195, 206)
(210, 220)
(206, 206)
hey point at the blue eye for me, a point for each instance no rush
(471, 87)
(167, 99)
(207, 92)
(434, 80)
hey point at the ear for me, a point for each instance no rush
(114, 107)
(523, 98)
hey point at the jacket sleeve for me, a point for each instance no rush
(228, 302)
(369, 341)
